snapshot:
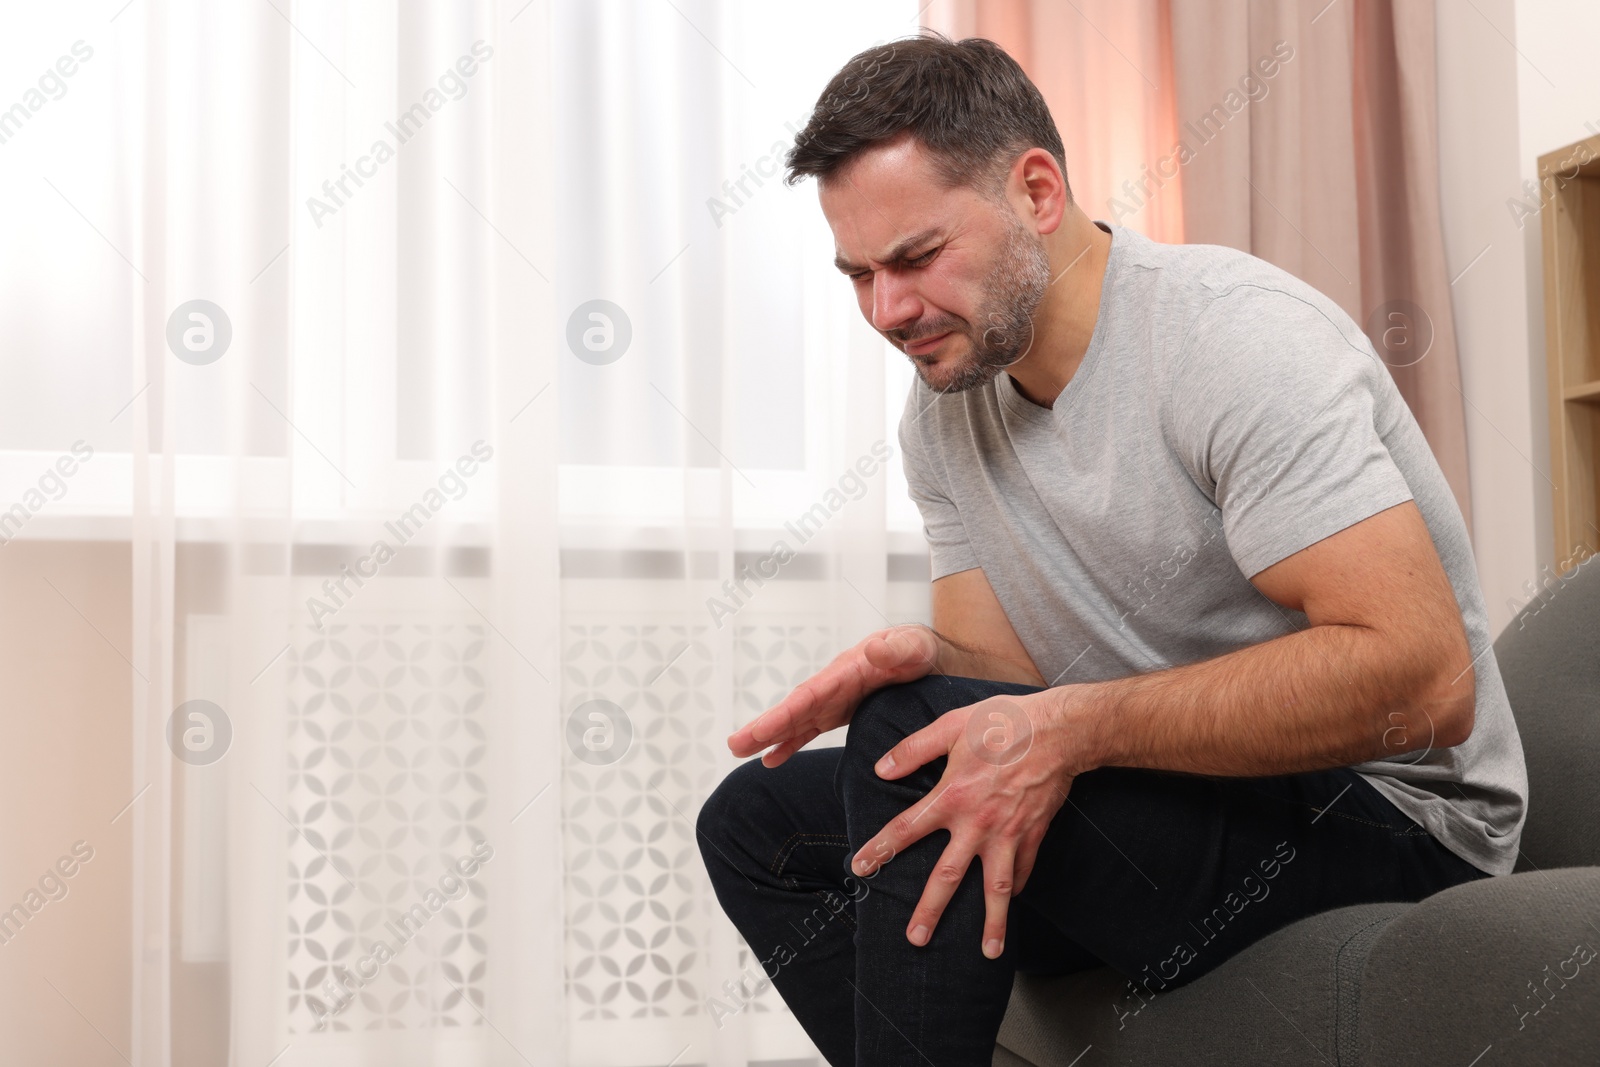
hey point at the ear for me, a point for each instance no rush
(1038, 189)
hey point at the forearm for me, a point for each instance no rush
(1327, 696)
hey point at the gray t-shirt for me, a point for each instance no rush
(1225, 416)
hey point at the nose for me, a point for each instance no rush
(894, 301)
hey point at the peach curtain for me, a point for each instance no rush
(1305, 134)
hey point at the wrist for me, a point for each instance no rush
(1078, 727)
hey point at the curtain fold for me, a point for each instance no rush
(527, 996)
(344, 533)
(153, 545)
(1402, 234)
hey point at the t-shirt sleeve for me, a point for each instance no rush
(948, 547)
(1274, 411)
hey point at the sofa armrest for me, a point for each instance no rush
(1510, 963)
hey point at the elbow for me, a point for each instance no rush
(1452, 709)
(1458, 724)
(1451, 695)
(1438, 714)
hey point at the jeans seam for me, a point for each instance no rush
(843, 913)
(795, 840)
(1415, 831)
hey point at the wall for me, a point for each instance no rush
(1514, 82)
(1558, 98)
(65, 774)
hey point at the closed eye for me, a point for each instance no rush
(915, 262)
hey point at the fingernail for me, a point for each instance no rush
(919, 935)
(886, 765)
(993, 947)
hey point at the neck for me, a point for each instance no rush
(1065, 319)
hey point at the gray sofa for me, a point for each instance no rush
(1500, 971)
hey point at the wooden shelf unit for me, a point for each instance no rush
(1569, 180)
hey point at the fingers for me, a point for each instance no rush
(790, 716)
(997, 891)
(822, 701)
(923, 747)
(942, 884)
(903, 652)
(828, 698)
(789, 748)
(898, 833)
(872, 857)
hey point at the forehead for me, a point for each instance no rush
(886, 198)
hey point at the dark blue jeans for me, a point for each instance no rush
(1159, 876)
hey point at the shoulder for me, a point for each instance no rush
(1174, 299)
(1257, 336)
(1223, 284)
(1261, 315)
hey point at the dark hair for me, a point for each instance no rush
(967, 101)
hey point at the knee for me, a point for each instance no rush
(741, 793)
(888, 715)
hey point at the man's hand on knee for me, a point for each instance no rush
(997, 796)
(828, 699)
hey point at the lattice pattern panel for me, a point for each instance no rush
(385, 793)
(639, 902)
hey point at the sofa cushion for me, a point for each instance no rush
(1549, 658)
(1511, 964)
(1289, 998)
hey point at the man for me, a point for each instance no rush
(1208, 650)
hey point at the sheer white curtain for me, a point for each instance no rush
(359, 193)
(492, 436)
(746, 422)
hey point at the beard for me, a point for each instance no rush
(1002, 332)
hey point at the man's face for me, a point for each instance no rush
(949, 277)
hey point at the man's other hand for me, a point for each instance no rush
(828, 699)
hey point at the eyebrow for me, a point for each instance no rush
(896, 254)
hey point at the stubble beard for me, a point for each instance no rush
(1002, 332)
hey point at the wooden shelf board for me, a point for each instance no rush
(1562, 160)
(1570, 228)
